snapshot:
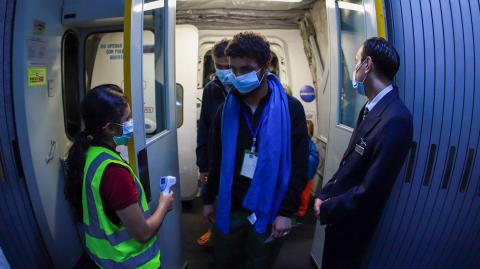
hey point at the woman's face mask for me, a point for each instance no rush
(248, 82)
(127, 132)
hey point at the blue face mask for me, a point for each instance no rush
(127, 132)
(246, 83)
(358, 85)
(223, 75)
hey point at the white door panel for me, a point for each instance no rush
(349, 24)
(155, 153)
(186, 55)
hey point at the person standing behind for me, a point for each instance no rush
(351, 203)
(313, 161)
(259, 162)
(213, 96)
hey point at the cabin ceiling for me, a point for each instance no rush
(242, 14)
(244, 4)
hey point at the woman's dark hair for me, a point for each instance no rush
(103, 104)
(218, 49)
(383, 55)
(250, 45)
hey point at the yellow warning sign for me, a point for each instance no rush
(37, 76)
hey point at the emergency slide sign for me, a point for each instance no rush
(37, 76)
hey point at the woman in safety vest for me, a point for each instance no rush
(106, 196)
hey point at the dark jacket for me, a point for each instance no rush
(355, 196)
(240, 185)
(213, 96)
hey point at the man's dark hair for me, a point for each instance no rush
(218, 49)
(383, 55)
(250, 45)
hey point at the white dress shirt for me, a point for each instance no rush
(378, 97)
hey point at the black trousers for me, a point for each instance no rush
(243, 247)
(345, 247)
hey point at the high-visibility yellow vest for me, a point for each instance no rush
(109, 245)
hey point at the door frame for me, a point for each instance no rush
(342, 133)
(338, 134)
(16, 203)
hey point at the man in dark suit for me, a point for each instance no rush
(351, 203)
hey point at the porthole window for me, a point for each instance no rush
(179, 104)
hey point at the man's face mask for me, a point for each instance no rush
(224, 75)
(359, 85)
(248, 82)
(127, 132)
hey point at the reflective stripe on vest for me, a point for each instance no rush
(108, 245)
(131, 263)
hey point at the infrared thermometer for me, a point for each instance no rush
(166, 184)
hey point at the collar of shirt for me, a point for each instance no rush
(261, 104)
(371, 104)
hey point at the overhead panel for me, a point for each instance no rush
(242, 14)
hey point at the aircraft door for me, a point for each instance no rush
(150, 83)
(349, 24)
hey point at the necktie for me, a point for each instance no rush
(365, 112)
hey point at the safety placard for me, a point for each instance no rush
(37, 76)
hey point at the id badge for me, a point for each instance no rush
(249, 164)
(359, 149)
(252, 218)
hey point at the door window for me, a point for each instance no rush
(351, 37)
(104, 64)
(179, 104)
(155, 95)
(70, 88)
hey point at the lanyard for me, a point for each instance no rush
(255, 133)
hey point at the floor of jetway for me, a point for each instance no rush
(295, 252)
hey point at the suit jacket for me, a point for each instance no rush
(355, 196)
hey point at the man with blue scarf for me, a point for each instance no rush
(259, 164)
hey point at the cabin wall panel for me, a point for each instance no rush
(433, 219)
(40, 127)
(20, 237)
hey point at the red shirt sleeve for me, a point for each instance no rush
(118, 188)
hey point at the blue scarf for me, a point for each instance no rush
(272, 174)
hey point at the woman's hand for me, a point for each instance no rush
(142, 229)
(165, 201)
